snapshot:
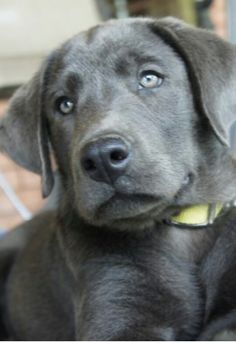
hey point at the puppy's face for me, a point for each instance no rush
(125, 126)
(122, 123)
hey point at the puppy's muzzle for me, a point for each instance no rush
(106, 159)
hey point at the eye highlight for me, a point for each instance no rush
(64, 105)
(150, 79)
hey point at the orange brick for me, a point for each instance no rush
(10, 222)
(3, 107)
(30, 180)
(6, 164)
(21, 179)
(6, 206)
(32, 199)
(13, 178)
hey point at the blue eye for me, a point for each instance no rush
(64, 105)
(150, 79)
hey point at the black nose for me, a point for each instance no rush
(106, 159)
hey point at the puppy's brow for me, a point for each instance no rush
(124, 63)
(72, 81)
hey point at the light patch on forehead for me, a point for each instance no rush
(116, 30)
(116, 39)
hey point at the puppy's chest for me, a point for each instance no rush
(190, 244)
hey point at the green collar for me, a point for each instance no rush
(198, 216)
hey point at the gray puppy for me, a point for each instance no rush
(137, 113)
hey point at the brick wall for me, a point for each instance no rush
(24, 184)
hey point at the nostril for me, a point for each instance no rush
(105, 160)
(118, 155)
(89, 165)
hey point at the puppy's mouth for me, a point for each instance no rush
(121, 208)
(140, 208)
(125, 207)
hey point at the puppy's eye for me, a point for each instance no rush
(150, 79)
(64, 105)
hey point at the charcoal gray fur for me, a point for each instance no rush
(104, 266)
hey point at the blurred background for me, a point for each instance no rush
(29, 29)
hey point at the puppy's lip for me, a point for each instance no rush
(128, 205)
(122, 206)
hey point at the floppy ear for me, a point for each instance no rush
(211, 65)
(23, 131)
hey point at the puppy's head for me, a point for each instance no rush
(138, 115)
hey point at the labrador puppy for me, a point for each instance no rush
(137, 114)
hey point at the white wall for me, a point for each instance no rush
(29, 29)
